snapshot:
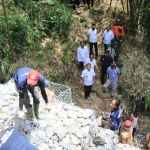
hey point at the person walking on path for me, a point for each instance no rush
(111, 51)
(91, 61)
(105, 62)
(88, 79)
(107, 36)
(112, 77)
(11, 139)
(126, 133)
(92, 37)
(82, 54)
(115, 116)
(115, 44)
(118, 29)
(134, 119)
(27, 79)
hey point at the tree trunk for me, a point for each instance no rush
(110, 3)
(122, 4)
(127, 6)
(8, 34)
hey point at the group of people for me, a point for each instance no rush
(110, 73)
(114, 119)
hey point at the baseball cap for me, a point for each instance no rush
(118, 19)
(106, 51)
(33, 77)
(127, 124)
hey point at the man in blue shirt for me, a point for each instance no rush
(27, 79)
(112, 77)
(115, 116)
(11, 139)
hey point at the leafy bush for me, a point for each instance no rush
(29, 23)
(58, 20)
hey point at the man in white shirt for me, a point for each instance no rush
(82, 54)
(107, 35)
(88, 78)
(112, 52)
(91, 61)
(92, 35)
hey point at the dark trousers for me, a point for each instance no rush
(88, 2)
(134, 131)
(87, 89)
(81, 65)
(103, 75)
(91, 48)
(35, 95)
(92, 3)
(105, 46)
(77, 2)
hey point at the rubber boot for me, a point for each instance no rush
(36, 110)
(32, 115)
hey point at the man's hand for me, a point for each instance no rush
(21, 115)
(118, 82)
(83, 84)
(94, 82)
(104, 122)
(47, 106)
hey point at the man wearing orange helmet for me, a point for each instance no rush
(27, 79)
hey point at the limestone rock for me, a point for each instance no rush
(79, 147)
(80, 120)
(80, 113)
(55, 138)
(101, 148)
(67, 140)
(85, 131)
(86, 122)
(72, 114)
(49, 132)
(44, 146)
(74, 139)
(61, 132)
(43, 124)
(73, 129)
(68, 122)
(92, 148)
(79, 134)
(87, 113)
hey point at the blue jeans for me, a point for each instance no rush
(134, 131)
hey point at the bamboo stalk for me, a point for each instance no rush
(8, 32)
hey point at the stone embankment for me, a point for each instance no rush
(65, 127)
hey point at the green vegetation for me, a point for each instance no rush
(30, 23)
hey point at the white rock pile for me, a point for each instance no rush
(65, 127)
